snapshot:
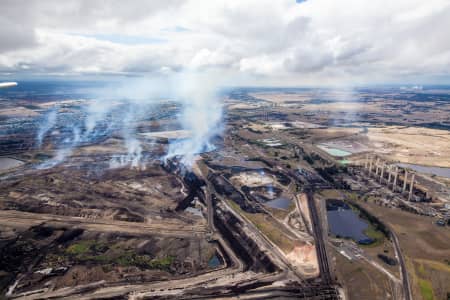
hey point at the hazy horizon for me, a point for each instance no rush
(251, 43)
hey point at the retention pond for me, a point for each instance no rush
(438, 171)
(334, 151)
(343, 222)
(280, 203)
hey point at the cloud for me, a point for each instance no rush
(265, 42)
(15, 34)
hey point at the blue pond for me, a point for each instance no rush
(335, 151)
(214, 262)
(281, 203)
(345, 223)
(438, 171)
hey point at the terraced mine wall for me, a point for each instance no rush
(244, 247)
(190, 180)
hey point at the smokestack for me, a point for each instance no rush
(394, 184)
(390, 174)
(404, 181)
(411, 187)
(382, 172)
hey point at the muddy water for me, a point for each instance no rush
(9, 163)
(438, 171)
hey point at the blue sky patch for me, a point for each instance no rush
(125, 39)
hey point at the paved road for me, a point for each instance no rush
(404, 272)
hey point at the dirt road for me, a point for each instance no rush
(21, 219)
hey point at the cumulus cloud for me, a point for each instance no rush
(283, 42)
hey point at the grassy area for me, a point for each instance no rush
(434, 264)
(280, 214)
(376, 235)
(91, 250)
(352, 196)
(235, 207)
(421, 270)
(268, 227)
(432, 278)
(144, 261)
(83, 247)
(426, 289)
(424, 246)
(362, 280)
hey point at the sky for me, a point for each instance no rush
(249, 42)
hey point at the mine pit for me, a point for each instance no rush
(70, 257)
(119, 194)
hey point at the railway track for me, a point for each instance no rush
(318, 236)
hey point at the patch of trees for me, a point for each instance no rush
(388, 260)
(328, 173)
(372, 219)
(310, 159)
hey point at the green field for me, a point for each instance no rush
(91, 250)
(426, 289)
(375, 235)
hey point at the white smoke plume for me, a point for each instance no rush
(347, 105)
(119, 108)
(64, 151)
(133, 158)
(96, 111)
(46, 125)
(201, 115)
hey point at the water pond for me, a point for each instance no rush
(345, 223)
(280, 203)
(334, 151)
(214, 262)
(438, 171)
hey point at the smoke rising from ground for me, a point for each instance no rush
(118, 109)
(346, 101)
(47, 124)
(201, 115)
